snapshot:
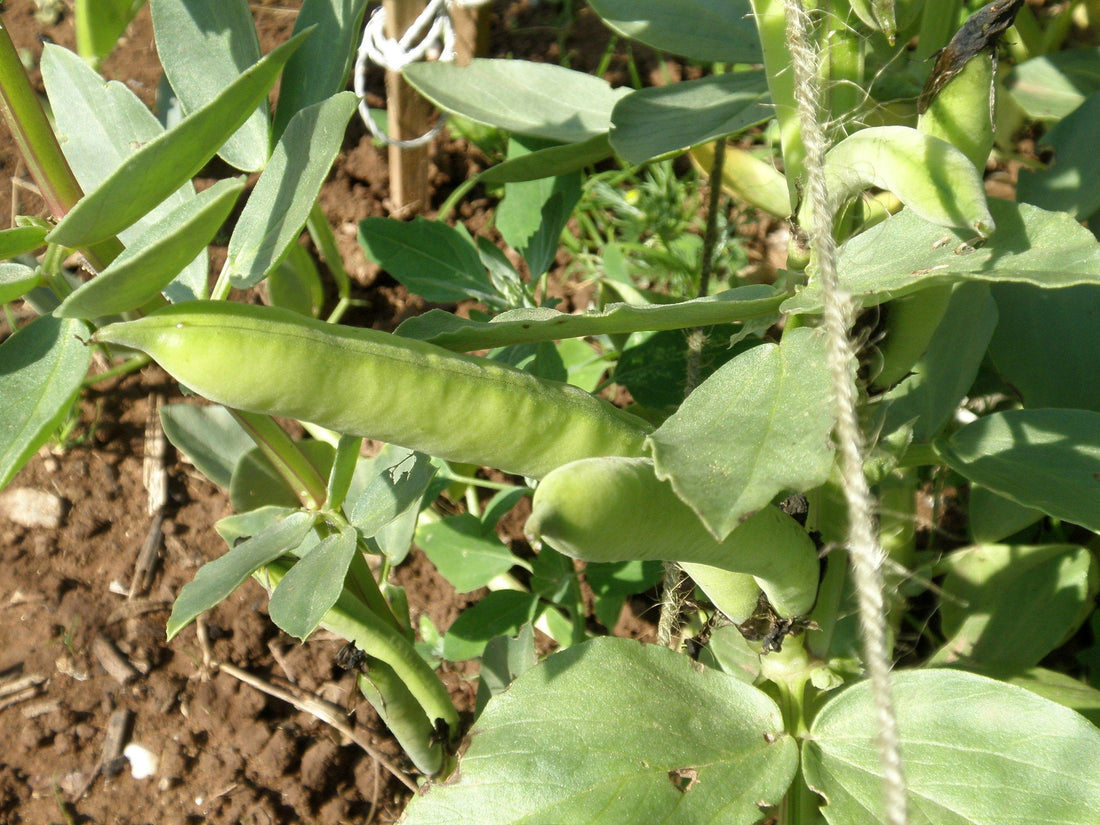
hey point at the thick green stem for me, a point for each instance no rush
(287, 459)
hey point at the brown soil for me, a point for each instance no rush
(227, 753)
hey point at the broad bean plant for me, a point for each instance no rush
(976, 385)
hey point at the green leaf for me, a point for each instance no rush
(1047, 368)
(99, 125)
(710, 31)
(246, 525)
(993, 517)
(662, 119)
(906, 254)
(759, 426)
(100, 23)
(730, 652)
(584, 366)
(388, 506)
(503, 660)
(1072, 181)
(432, 260)
(19, 240)
(931, 177)
(613, 582)
(217, 579)
(256, 482)
(210, 436)
(464, 553)
(977, 751)
(654, 370)
(501, 613)
(1065, 690)
(166, 162)
(16, 280)
(553, 576)
(313, 584)
(41, 367)
(295, 284)
(533, 213)
(520, 326)
(157, 256)
(1046, 459)
(944, 374)
(204, 47)
(586, 736)
(1052, 86)
(1009, 606)
(537, 99)
(549, 162)
(315, 72)
(278, 207)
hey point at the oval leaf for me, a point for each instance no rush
(433, 260)
(537, 99)
(586, 736)
(99, 125)
(204, 47)
(1009, 606)
(210, 436)
(467, 554)
(18, 241)
(168, 161)
(278, 207)
(1045, 369)
(716, 31)
(155, 258)
(905, 254)
(662, 119)
(758, 426)
(1046, 459)
(976, 751)
(312, 74)
(41, 367)
(16, 281)
(219, 578)
(312, 586)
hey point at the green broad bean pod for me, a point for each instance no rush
(367, 383)
(616, 509)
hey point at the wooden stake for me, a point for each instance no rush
(409, 117)
(471, 31)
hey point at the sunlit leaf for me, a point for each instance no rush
(758, 426)
(41, 367)
(977, 751)
(591, 735)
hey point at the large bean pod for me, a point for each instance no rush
(372, 384)
(616, 509)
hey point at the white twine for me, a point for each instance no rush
(431, 29)
(863, 543)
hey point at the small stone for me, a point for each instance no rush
(28, 507)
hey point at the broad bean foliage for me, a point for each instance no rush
(978, 325)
